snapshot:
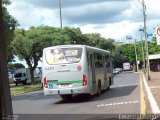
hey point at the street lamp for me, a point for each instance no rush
(60, 13)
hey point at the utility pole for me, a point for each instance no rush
(5, 98)
(60, 14)
(136, 54)
(143, 64)
(146, 41)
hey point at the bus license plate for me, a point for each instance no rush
(64, 85)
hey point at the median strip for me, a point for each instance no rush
(25, 89)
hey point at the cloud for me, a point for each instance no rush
(106, 12)
(116, 31)
(54, 4)
(28, 15)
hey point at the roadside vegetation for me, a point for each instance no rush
(17, 90)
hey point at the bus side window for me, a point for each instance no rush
(98, 60)
(89, 61)
(107, 60)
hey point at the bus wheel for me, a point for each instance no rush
(99, 89)
(65, 97)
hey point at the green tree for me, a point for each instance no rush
(107, 44)
(29, 44)
(10, 23)
(95, 40)
(73, 35)
(129, 51)
(153, 47)
(118, 57)
(15, 66)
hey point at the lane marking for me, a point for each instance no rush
(125, 85)
(118, 103)
(153, 103)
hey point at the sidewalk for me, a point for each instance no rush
(154, 85)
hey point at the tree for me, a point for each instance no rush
(5, 98)
(118, 57)
(107, 44)
(10, 23)
(153, 47)
(74, 36)
(15, 66)
(29, 44)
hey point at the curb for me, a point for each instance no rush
(154, 106)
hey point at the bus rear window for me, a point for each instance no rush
(63, 55)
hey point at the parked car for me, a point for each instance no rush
(116, 71)
(119, 69)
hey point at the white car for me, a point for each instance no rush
(116, 71)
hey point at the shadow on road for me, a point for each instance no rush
(112, 93)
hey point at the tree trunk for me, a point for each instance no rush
(32, 75)
(5, 98)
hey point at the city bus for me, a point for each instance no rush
(76, 69)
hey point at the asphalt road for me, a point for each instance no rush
(122, 98)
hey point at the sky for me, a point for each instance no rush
(111, 18)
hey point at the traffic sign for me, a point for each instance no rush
(158, 35)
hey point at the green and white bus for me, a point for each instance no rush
(76, 69)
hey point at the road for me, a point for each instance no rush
(122, 98)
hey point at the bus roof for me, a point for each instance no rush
(92, 48)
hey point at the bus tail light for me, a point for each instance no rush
(84, 80)
(45, 82)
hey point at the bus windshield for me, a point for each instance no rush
(63, 55)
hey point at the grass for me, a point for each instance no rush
(25, 88)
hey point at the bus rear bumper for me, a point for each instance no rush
(79, 90)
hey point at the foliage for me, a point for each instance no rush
(15, 66)
(9, 24)
(153, 47)
(25, 88)
(29, 44)
(96, 40)
(118, 57)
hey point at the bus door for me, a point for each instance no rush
(92, 67)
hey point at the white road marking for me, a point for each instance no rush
(118, 103)
(127, 85)
(121, 103)
(153, 103)
(130, 102)
(135, 101)
(101, 105)
(125, 102)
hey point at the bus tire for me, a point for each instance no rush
(65, 97)
(99, 89)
